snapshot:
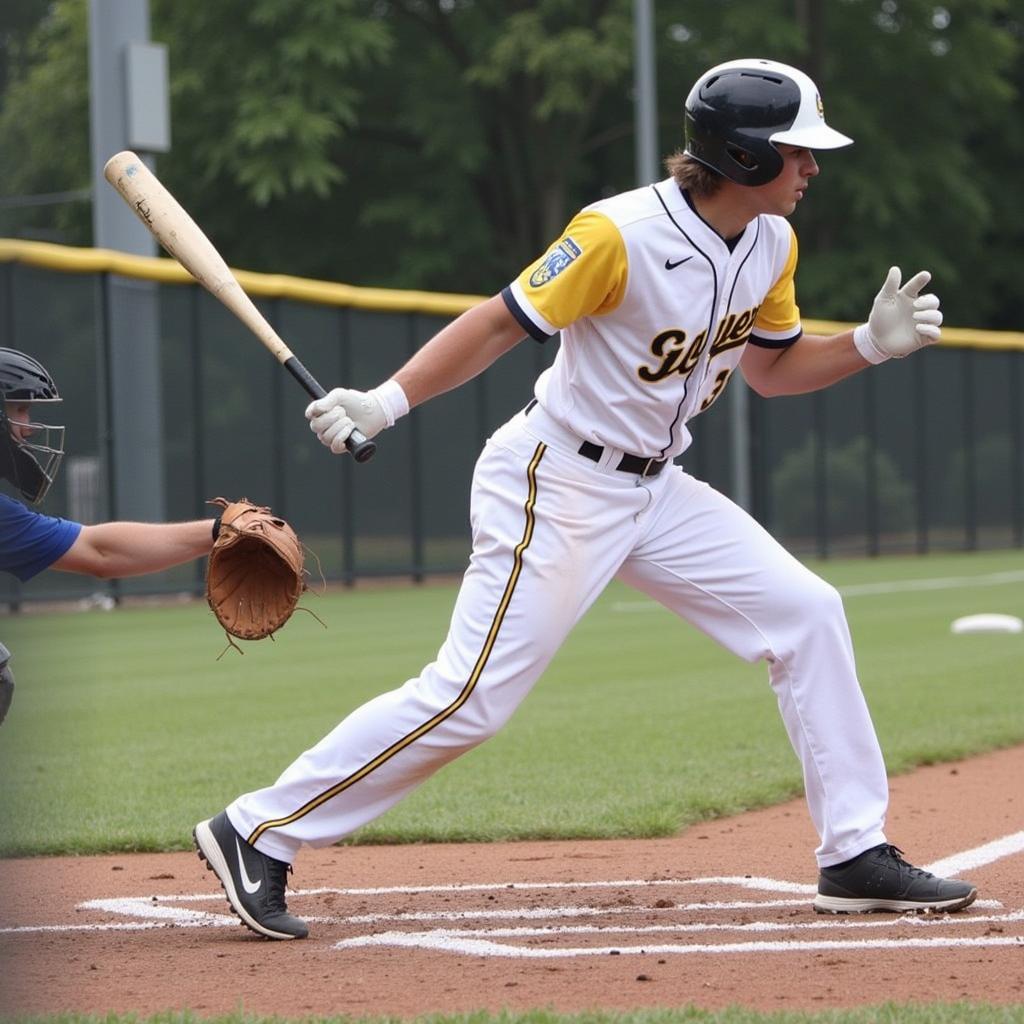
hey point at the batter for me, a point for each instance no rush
(659, 295)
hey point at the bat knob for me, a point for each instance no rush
(361, 448)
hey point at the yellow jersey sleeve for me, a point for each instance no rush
(778, 318)
(583, 274)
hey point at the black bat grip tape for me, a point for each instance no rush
(361, 448)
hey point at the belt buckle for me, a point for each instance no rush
(647, 467)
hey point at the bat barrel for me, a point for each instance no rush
(175, 230)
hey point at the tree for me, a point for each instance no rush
(44, 124)
(442, 144)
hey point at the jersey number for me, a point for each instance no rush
(717, 389)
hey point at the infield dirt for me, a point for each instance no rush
(718, 915)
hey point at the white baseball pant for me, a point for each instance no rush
(550, 530)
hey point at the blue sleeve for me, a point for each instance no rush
(31, 542)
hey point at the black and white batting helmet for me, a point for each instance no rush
(739, 111)
(30, 463)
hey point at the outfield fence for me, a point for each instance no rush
(917, 455)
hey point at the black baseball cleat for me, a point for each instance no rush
(254, 883)
(880, 879)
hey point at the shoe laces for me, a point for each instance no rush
(277, 882)
(897, 855)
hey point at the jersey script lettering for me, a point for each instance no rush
(676, 356)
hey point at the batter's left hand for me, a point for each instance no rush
(902, 320)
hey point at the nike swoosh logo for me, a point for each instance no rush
(669, 265)
(248, 884)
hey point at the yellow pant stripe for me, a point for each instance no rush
(481, 662)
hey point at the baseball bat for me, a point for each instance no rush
(179, 234)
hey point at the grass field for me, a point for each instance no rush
(126, 729)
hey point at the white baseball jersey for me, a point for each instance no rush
(655, 310)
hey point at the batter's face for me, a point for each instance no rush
(781, 194)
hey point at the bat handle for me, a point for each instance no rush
(361, 448)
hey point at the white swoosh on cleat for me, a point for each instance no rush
(248, 884)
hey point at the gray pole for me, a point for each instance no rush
(739, 439)
(645, 93)
(128, 110)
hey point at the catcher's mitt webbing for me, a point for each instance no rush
(255, 575)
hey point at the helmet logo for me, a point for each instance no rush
(819, 105)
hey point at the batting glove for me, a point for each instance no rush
(902, 320)
(333, 417)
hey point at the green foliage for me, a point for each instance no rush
(125, 729)
(443, 145)
(44, 126)
(267, 90)
(798, 478)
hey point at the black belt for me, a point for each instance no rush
(635, 464)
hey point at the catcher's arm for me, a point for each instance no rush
(116, 550)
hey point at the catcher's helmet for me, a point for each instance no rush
(30, 463)
(738, 111)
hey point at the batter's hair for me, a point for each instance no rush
(693, 176)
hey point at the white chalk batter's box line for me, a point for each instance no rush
(842, 933)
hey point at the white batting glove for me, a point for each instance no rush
(334, 417)
(902, 320)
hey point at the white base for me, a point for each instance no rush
(987, 622)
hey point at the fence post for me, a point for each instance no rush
(921, 460)
(348, 477)
(415, 470)
(739, 438)
(198, 419)
(103, 342)
(970, 449)
(871, 469)
(1016, 449)
(820, 474)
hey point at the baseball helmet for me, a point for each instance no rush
(737, 112)
(30, 463)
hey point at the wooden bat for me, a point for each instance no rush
(179, 234)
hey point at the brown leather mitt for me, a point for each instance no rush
(255, 576)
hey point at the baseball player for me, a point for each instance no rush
(659, 294)
(30, 455)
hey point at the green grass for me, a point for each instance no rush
(126, 729)
(888, 1013)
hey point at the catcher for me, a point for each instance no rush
(31, 450)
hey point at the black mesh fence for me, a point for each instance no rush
(918, 455)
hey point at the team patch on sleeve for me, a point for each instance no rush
(584, 273)
(555, 261)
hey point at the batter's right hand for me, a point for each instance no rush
(333, 417)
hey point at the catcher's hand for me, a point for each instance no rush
(255, 576)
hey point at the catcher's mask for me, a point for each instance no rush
(30, 451)
(737, 112)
